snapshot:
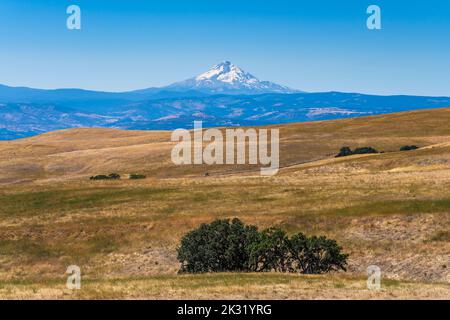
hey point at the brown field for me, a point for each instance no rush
(390, 209)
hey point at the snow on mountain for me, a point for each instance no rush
(228, 78)
(229, 73)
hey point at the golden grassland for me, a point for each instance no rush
(390, 209)
(224, 287)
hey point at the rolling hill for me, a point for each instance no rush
(390, 209)
(81, 152)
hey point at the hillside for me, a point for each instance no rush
(390, 209)
(83, 152)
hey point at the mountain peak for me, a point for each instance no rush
(227, 77)
(228, 73)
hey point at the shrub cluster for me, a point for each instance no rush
(112, 176)
(346, 151)
(224, 246)
(136, 176)
(409, 148)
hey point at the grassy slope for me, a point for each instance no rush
(392, 210)
(83, 152)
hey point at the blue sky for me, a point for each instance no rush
(309, 45)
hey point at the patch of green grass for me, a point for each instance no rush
(102, 235)
(311, 224)
(339, 285)
(391, 283)
(202, 196)
(30, 248)
(102, 244)
(394, 207)
(60, 201)
(33, 281)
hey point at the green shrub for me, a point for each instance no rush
(315, 255)
(136, 176)
(99, 177)
(365, 150)
(269, 252)
(346, 151)
(408, 148)
(216, 247)
(112, 176)
(223, 246)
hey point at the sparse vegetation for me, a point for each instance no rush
(220, 286)
(136, 176)
(389, 209)
(346, 151)
(409, 148)
(112, 176)
(223, 247)
(365, 150)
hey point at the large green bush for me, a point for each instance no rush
(269, 251)
(216, 247)
(315, 255)
(223, 246)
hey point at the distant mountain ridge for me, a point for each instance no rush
(19, 120)
(225, 95)
(223, 78)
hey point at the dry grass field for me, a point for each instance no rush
(390, 209)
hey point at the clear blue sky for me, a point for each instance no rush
(309, 45)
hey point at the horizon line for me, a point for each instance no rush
(215, 94)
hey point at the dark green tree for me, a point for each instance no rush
(216, 247)
(316, 255)
(270, 251)
(231, 246)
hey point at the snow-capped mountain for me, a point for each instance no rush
(228, 78)
(223, 96)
